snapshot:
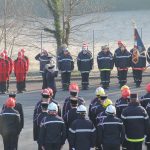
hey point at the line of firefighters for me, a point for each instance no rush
(109, 126)
(20, 66)
(122, 59)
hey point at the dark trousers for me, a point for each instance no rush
(111, 147)
(148, 146)
(55, 146)
(85, 80)
(7, 85)
(105, 78)
(137, 75)
(44, 86)
(122, 77)
(134, 146)
(10, 142)
(20, 86)
(3, 86)
(65, 76)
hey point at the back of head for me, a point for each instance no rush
(74, 101)
(10, 103)
(99, 92)
(12, 94)
(52, 108)
(81, 109)
(110, 110)
(134, 98)
(73, 89)
(44, 106)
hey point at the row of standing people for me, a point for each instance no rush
(102, 117)
(122, 59)
(20, 66)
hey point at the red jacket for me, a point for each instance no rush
(20, 69)
(27, 61)
(4, 70)
(11, 64)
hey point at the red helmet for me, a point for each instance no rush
(5, 52)
(125, 93)
(50, 91)
(148, 87)
(45, 92)
(10, 103)
(73, 87)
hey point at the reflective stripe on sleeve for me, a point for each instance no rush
(81, 130)
(135, 140)
(134, 117)
(48, 122)
(120, 123)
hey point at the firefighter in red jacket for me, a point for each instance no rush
(27, 61)
(11, 64)
(4, 73)
(20, 70)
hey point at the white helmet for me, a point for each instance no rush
(111, 110)
(52, 107)
(81, 109)
(100, 91)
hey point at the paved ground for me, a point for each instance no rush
(29, 99)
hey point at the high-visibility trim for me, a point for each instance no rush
(107, 123)
(84, 60)
(121, 105)
(43, 59)
(11, 114)
(123, 56)
(135, 140)
(134, 117)
(81, 130)
(142, 99)
(66, 59)
(48, 122)
(105, 58)
(105, 69)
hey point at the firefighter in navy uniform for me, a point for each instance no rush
(122, 59)
(122, 102)
(146, 98)
(99, 92)
(40, 117)
(10, 125)
(138, 64)
(53, 131)
(72, 114)
(18, 107)
(44, 59)
(51, 73)
(105, 64)
(74, 90)
(136, 121)
(82, 133)
(111, 133)
(85, 64)
(46, 97)
(65, 65)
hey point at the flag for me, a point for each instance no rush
(138, 41)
